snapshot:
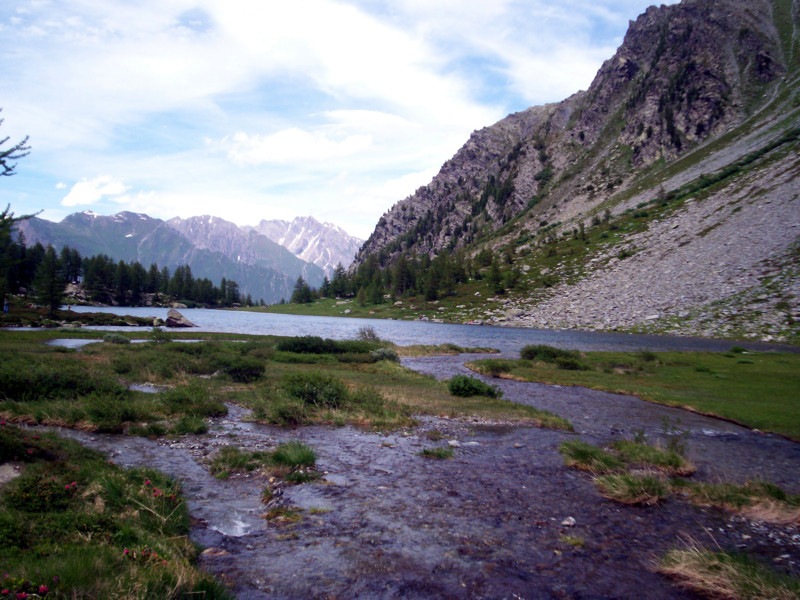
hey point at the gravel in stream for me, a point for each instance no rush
(504, 518)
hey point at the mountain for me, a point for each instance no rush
(323, 244)
(692, 125)
(212, 247)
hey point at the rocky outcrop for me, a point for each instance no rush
(176, 319)
(684, 73)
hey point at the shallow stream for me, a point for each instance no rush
(386, 523)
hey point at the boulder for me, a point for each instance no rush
(176, 319)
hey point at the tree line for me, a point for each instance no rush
(431, 278)
(47, 273)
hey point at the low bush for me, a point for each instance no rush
(283, 411)
(26, 379)
(385, 354)
(192, 400)
(316, 345)
(465, 386)
(315, 388)
(244, 369)
(495, 367)
(116, 338)
(547, 353)
(570, 363)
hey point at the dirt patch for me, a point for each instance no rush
(8, 472)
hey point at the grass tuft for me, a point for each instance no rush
(725, 575)
(582, 455)
(440, 453)
(630, 488)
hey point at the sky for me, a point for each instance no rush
(262, 109)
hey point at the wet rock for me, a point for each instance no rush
(453, 444)
(176, 319)
(214, 552)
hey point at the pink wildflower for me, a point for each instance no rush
(147, 482)
(126, 551)
(22, 596)
(43, 589)
(5, 592)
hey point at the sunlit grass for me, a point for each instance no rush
(759, 390)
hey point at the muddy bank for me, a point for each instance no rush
(386, 523)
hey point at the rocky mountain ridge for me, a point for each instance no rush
(212, 247)
(702, 96)
(323, 244)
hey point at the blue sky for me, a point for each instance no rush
(261, 109)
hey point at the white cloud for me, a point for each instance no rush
(250, 109)
(291, 145)
(91, 192)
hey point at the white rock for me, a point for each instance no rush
(568, 522)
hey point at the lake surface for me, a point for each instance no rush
(404, 333)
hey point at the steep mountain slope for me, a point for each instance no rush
(323, 244)
(212, 247)
(694, 125)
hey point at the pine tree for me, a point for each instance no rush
(49, 282)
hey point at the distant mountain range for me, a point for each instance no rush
(213, 248)
(323, 244)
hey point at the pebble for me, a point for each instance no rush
(569, 522)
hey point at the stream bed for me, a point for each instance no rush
(493, 522)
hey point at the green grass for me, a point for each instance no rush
(761, 394)
(582, 455)
(88, 389)
(82, 527)
(757, 499)
(630, 488)
(718, 574)
(440, 453)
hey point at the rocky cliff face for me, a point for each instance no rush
(322, 244)
(684, 74)
(682, 151)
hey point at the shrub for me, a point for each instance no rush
(570, 363)
(286, 412)
(192, 400)
(546, 353)
(385, 354)
(495, 367)
(316, 389)
(27, 380)
(116, 338)
(190, 425)
(647, 355)
(244, 369)
(367, 334)
(465, 386)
